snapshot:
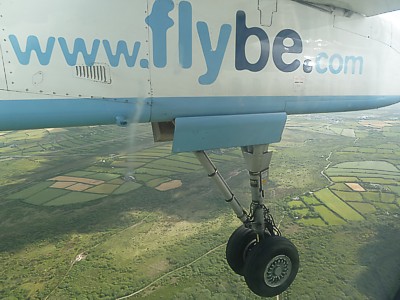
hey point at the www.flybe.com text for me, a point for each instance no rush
(271, 50)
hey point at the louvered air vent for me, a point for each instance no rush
(95, 72)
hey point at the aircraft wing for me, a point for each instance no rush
(363, 7)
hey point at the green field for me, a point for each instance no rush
(395, 189)
(388, 198)
(45, 196)
(310, 200)
(312, 222)
(126, 188)
(81, 174)
(344, 179)
(74, 198)
(338, 206)
(363, 208)
(177, 163)
(340, 187)
(328, 216)
(296, 204)
(372, 196)
(151, 173)
(171, 245)
(28, 192)
(300, 213)
(103, 189)
(156, 182)
(368, 165)
(335, 172)
(105, 176)
(349, 196)
(379, 180)
(387, 206)
(155, 172)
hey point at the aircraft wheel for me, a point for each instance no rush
(239, 245)
(271, 266)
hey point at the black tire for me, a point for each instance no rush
(271, 266)
(239, 245)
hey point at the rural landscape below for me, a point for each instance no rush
(104, 213)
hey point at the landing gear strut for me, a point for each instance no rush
(256, 250)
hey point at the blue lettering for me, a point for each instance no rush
(144, 63)
(353, 61)
(79, 47)
(242, 34)
(32, 45)
(287, 41)
(337, 64)
(160, 22)
(122, 49)
(321, 56)
(279, 49)
(185, 34)
(336, 68)
(212, 57)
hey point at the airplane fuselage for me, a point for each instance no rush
(207, 74)
(155, 61)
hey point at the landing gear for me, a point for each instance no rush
(239, 246)
(256, 250)
(271, 266)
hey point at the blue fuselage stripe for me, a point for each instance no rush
(43, 113)
(166, 109)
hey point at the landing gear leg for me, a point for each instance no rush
(258, 159)
(256, 250)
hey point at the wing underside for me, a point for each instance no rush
(363, 7)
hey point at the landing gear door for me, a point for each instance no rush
(267, 9)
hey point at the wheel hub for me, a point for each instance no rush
(277, 270)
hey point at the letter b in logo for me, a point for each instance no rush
(242, 34)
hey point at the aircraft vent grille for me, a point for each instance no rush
(95, 72)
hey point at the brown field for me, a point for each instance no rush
(78, 179)
(62, 184)
(174, 184)
(79, 187)
(355, 187)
